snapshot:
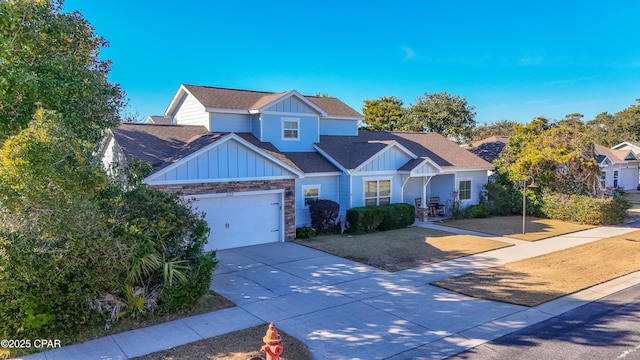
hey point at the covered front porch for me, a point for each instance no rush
(432, 194)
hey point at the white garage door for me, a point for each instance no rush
(242, 220)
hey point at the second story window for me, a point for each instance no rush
(290, 129)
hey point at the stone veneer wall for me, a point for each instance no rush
(241, 186)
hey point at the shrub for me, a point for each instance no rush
(397, 216)
(368, 219)
(323, 215)
(472, 212)
(585, 209)
(305, 232)
(364, 219)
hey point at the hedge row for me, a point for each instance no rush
(368, 219)
(585, 209)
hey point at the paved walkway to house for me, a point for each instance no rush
(346, 310)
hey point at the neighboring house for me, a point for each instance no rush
(158, 120)
(253, 161)
(490, 148)
(619, 167)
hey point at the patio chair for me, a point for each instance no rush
(435, 206)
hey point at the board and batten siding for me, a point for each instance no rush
(328, 190)
(291, 105)
(338, 127)
(229, 123)
(391, 159)
(229, 160)
(344, 193)
(191, 112)
(308, 132)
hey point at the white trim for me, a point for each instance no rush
(342, 118)
(220, 180)
(226, 111)
(289, 94)
(386, 148)
(374, 173)
(228, 194)
(470, 180)
(311, 186)
(284, 120)
(424, 162)
(217, 143)
(377, 179)
(320, 174)
(249, 193)
(182, 90)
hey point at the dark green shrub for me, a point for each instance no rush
(477, 211)
(364, 219)
(397, 216)
(368, 219)
(323, 215)
(305, 232)
(585, 209)
(503, 198)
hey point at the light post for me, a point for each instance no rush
(524, 200)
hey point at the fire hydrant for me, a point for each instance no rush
(273, 344)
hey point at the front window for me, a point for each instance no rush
(603, 180)
(311, 194)
(290, 129)
(615, 178)
(464, 189)
(377, 192)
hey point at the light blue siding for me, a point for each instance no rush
(412, 190)
(478, 179)
(229, 160)
(328, 190)
(344, 193)
(338, 127)
(229, 122)
(291, 105)
(392, 159)
(442, 186)
(256, 126)
(308, 132)
(427, 168)
(191, 112)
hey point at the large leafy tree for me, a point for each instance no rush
(608, 130)
(447, 114)
(51, 58)
(383, 114)
(498, 128)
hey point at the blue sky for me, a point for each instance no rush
(512, 60)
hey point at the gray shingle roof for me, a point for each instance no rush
(162, 145)
(352, 151)
(235, 99)
(490, 148)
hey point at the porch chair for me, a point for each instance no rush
(418, 202)
(435, 206)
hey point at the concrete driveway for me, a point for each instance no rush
(346, 310)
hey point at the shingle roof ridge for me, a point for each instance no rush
(234, 89)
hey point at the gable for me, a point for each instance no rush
(225, 161)
(427, 167)
(392, 158)
(291, 104)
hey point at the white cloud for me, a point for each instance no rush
(408, 52)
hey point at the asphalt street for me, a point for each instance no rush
(605, 329)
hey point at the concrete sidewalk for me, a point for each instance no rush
(346, 310)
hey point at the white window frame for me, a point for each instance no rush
(307, 187)
(470, 189)
(603, 179)
(377, 197)
(285, 120)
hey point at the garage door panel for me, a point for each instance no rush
(242, 220)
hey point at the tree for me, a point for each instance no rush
(610, 130)
(51, 58)
(442, 113)
(499, 128)
(383, 114)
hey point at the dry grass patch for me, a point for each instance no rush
(511, 226)
(543, 278)
(238, 345)
(402, 249)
